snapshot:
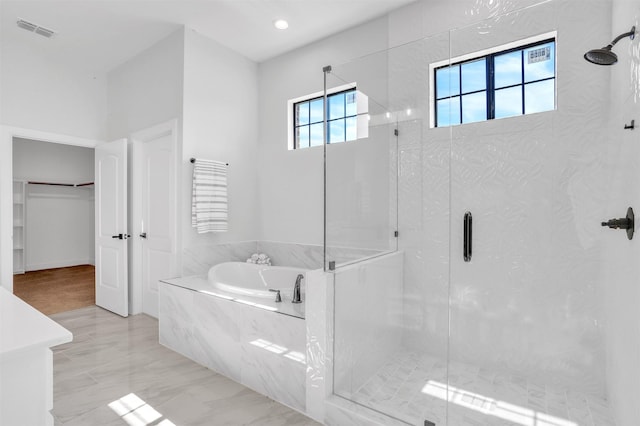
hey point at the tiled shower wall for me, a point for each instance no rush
(530, 301)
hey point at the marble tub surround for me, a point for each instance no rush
(255, 347)
(201, 284)
(197, 260)
(311, 256)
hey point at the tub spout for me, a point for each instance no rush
(296, 290)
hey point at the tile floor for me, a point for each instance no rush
(412, 388)
(116, 373)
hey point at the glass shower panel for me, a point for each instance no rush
(526, 343)
(391, 310)
(361, 152)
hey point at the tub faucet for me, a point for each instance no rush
(296, 290)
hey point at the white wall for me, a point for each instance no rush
(621, 273)
(49, 100)
(290, 186)
(59, 227)
(220, 110)
(51, 162)
(147, 89)
(59, 220)
(38, 92)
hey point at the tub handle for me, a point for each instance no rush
(278, 298)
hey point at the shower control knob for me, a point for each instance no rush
(626, 223)
(623, 223)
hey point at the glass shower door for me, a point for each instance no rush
(526, 337)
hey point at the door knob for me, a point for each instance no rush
(121, 236)
(143, 235)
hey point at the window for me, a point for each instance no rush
(506, 83)
(342, 119)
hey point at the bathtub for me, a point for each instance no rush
(253, 280)
(224, 321)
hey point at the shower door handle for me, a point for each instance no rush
(467, 237)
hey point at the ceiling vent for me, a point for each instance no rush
(35, 28)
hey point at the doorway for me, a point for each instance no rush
(53, 225)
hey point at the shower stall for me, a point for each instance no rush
(488, 297)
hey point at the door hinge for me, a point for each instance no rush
(395, 132)
(395, 234)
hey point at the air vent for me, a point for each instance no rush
(35, 28)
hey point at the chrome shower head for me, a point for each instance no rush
(606, 56)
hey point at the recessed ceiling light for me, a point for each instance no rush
(281, 24)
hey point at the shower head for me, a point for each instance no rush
(602, 56)
(606, 56)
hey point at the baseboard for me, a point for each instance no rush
(61, 264)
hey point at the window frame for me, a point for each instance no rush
(328, 110)
(291, 125)
(489, 55)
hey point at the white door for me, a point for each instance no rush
(155, 210)
(112, 288)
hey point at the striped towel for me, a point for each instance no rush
(209, 196)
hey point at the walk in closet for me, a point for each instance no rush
(53, 205)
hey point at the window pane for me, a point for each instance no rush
(336, 106)
(352, 128)
(508, 69)
(474, 76)
(448, 112)
(539, 96)
(474, 107)
(302, 113)
(352, 106)
(447, 81)
(508, 102)
(539, 62)
(302, 137)
(336, 131)
(315, 134)
(316, 111)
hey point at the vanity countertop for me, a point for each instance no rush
(23, 328)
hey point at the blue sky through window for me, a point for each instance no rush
(341, 119)
(502, 84)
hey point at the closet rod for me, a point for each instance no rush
(74, 185)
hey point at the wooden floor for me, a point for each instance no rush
(57, 290)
